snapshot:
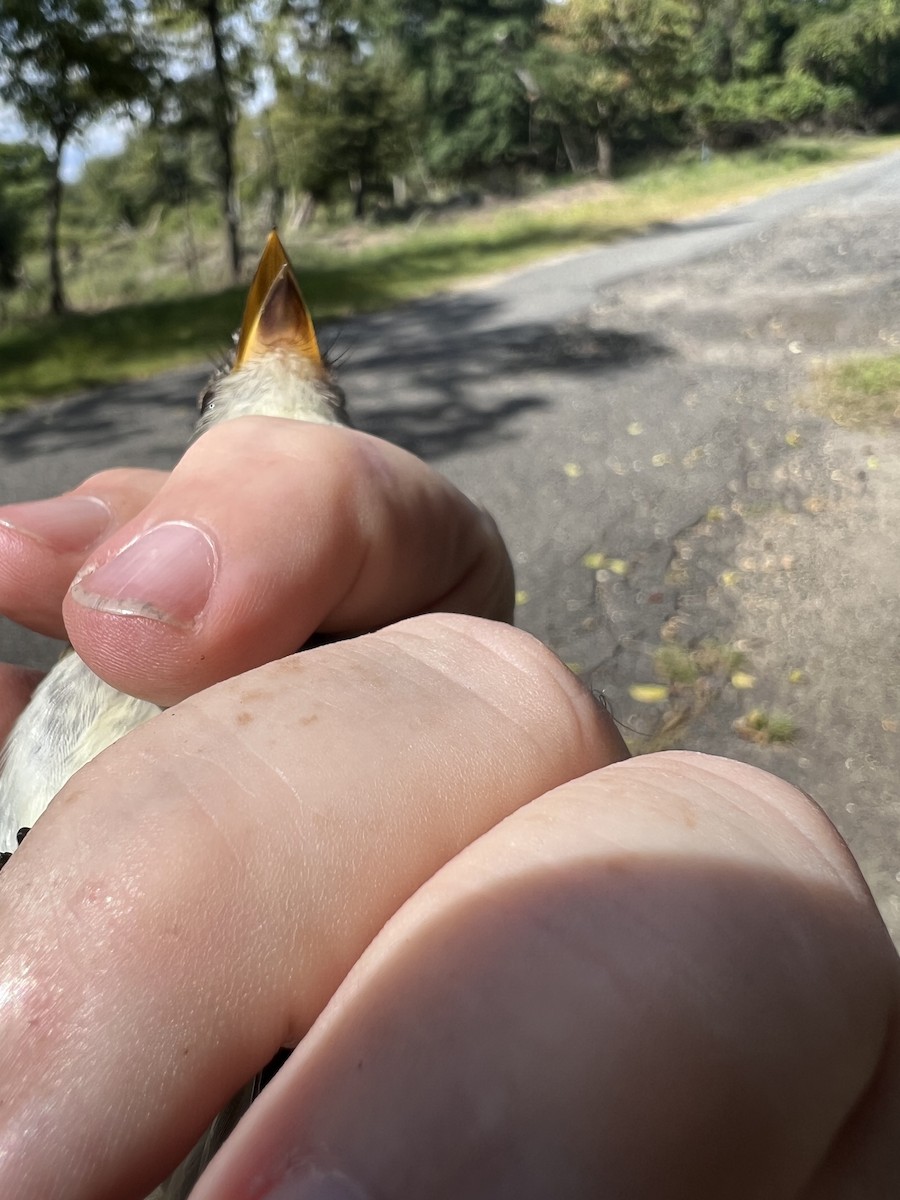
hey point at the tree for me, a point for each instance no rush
(65, 64)
(23, 181)
(210, 30)
(464, 57)
(350, 112)
(617, 66)
(750, 85)
(855, 45)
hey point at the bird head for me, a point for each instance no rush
(278, 370)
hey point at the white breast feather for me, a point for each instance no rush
(73, 715)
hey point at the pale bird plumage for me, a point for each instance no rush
(278, 371)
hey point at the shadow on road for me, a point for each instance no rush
(127, 414)
(436, 377)
(457, 373)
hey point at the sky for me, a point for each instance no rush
(106, 137)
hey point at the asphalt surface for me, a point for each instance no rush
(644, 402)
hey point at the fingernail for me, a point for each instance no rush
(165, 574)
(314, 1184)
(65, 523)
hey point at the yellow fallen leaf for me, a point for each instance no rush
(792, 437)
(729, 578)
(889, 725)
(635, 429)
(716, 513)
(661, 460)
(573, 470)
(618, 566)
(797, 676)
(742, 681)
(575, 667)
(593, 561)
(648, 693)
(522, 598)
(872, 463)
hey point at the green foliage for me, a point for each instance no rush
(346, 125)
(478, 106)
(210, 54)
(744, 110)
(159, 168)
(23, 181)
(466, 56)
(856, 45)
(622, 68)
(860, 392)
(67, 63)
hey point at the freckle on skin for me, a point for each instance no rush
(68, 796)
(244, 717)
(90, 892)
(309, 720)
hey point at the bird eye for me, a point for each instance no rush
(206, 399)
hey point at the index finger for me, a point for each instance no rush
(191, 900)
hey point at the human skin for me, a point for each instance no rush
(520, 964)
(313, 528)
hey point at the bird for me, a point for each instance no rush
(277, 369)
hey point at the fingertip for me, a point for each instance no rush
(787, 821)
(539, 677)
(43, 543)
(613, 991)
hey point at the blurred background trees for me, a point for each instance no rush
(65, 65)
(263, 111)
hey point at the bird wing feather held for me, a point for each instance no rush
(279, 371)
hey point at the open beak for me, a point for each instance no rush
(275, 313)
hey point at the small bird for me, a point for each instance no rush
(73, 715)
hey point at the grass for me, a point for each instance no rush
(683, 666)
(695, 677)
(169, 327)
(861, 392)
(767, 728)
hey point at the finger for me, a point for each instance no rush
(665, 980)
(323, 528)
(16, 686)
(43, 543)
(191, 900)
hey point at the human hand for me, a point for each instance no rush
(324, 529)
(522, 966)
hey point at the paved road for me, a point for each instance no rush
(643, 401)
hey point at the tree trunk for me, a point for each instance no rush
(401, 191)
(54, 209)
(276, 187)
(604, 154)
(359, 195)
(574, 165)
(226, 122)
